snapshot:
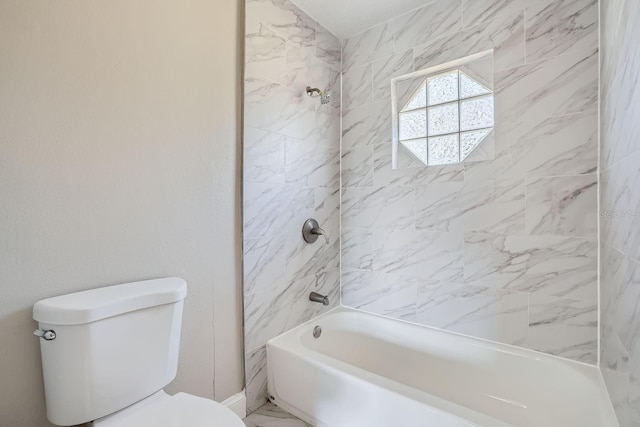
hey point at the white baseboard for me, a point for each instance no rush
(237, 403)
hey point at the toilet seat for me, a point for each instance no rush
(179, 410)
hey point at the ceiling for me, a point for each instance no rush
(345, 18)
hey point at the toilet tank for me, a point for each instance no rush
(113, 346)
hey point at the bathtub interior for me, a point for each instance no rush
(451, 371)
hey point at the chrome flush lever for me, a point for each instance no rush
(48, 335)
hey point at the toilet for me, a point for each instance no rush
(107, 354)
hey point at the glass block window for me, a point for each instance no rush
(446, 118)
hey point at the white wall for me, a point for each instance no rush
(119, 161)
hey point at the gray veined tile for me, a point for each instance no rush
(565, 84)
(620, 297)
(377, 207)
(615, 357)
(563, 327)
(327, 208)
(273, 107)
(501, 167)
(558, 26)
(264, 263)
(301, 61)
(381, 293)
(620, 129)
(492, 206)
(305, 69)
(387, 68)
(550, 265)
(620, 206)
(270, 415)
(481, 11)
(275, 209)
(620, 61)
(616, 372)
(433, 20)
(357, 248)
(364, 47)
(566, 145)
(265, 55)
(614, 270)
(284, 17)
(327, 128)
(474, 310)
(565, 206)
(312, 165)
(440, 50)
(493, 259)
(357, 167)
(505, 36)
(410, 253)
(304, 259)
(269, 314)
(263, 156)
(256, 373)
(328, 47)
(624, 317)
(367, 125)
(357, 86)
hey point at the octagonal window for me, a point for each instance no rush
(446, 118)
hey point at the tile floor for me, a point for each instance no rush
(270, 415)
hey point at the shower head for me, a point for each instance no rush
(325, 97)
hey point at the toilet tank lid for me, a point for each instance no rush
(95, 304)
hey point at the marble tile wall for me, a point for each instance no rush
(620, 207)
(291, 173)
(503, 249)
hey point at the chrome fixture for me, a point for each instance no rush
(48, 335)
(311, 230)
(316, 297)
(325, 97)
(317, 331)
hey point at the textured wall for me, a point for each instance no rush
(291, 173)
(620, 206)
(503, 249)
(117, 124)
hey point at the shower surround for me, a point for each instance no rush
(291, 173)
(503, 249)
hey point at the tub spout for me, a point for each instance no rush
(316, 297)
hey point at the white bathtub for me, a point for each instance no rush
(370, 371)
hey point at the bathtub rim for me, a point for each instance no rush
(514, 348)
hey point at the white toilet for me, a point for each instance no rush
(108, 352)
